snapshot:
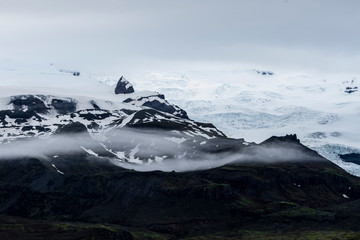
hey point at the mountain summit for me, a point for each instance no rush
(124, 86)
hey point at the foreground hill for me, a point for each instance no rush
(233, 200)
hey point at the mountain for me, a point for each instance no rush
(134, 129)
(241, 102)
(321, 108)
(87, 166)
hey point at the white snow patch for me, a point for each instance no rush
(57, 169)
(132, 153)
(89, 151)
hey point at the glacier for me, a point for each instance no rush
(254, 106)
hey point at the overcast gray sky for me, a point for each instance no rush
(149, 35)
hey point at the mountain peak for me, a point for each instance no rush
(291, 138)
(124, 86)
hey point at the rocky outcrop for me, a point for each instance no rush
(351, 89)
(264, 72)
(351, 157)
(289, 138)
(123, 86)
(159, 103)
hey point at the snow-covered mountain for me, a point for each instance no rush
(250, 104)
(139, 127)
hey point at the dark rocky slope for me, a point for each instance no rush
(183, 204)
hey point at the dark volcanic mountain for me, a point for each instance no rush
(67, 170)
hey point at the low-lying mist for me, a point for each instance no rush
(141, 150)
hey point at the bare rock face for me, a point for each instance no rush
(123, 86)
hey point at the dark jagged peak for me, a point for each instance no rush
(285, 149)
(291, 138)
(123, 86)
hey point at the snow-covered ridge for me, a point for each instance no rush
(96, 127)
(22, 115)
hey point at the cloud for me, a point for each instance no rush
(149, 145)
(139, 34)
